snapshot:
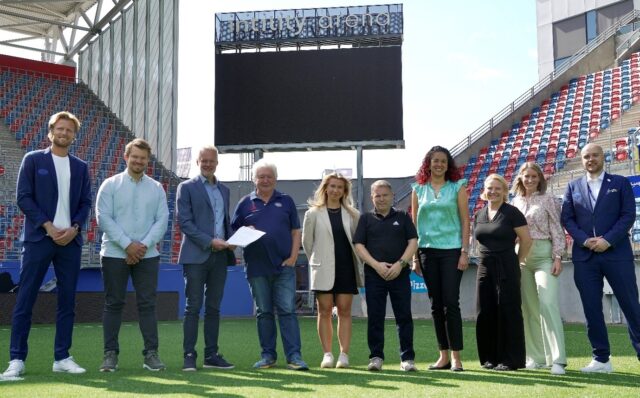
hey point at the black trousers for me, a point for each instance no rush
(144, 276)
(499, 325)
(442, 276)
(399, 291)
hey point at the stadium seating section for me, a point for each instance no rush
(553, 132)
(27, 100)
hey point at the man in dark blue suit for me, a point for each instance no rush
(598, 211)
(202, 205)
(54, 194)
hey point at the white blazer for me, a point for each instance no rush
(317, 241)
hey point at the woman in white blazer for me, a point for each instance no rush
(335, 269)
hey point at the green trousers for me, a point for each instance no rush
(544, 335)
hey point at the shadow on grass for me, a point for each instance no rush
(240, 341)
(573, 379)
(243, 383)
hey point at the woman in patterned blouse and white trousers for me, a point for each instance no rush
(544, 334)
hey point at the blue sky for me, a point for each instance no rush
(463, 61)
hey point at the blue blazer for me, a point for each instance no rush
(196, 220)
(37, 193)
(612, 217)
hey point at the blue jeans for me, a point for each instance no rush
(204, 282)
(277, 291)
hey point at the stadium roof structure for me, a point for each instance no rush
(56, 28)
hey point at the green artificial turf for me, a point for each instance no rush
(239, 344)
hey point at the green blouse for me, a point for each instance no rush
(438, 220)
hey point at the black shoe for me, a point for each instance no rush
(218, 362)
(503, 368)
(443, 367)
(189, 364)
(488, 365)
(457, 369)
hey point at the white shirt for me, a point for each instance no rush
(594, 185)
(62, 218)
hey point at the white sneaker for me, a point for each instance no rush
(375, 364)
(557, 369)
(408, 366)
(327, 360)
(15, 369)
(343, 361)
(531, 365)
(67, 365)
(598, 367)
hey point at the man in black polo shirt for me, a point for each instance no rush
(386, 240)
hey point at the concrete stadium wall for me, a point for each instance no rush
(570, 304)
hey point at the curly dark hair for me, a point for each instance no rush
(424, 173)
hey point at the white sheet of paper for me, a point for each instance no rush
(245, 236)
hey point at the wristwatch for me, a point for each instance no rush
(404, 264)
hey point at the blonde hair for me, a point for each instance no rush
(518, 185)
(501, 180)
(207, 148)
(320, 195)
(64, 115)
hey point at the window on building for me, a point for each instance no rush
(592, 25)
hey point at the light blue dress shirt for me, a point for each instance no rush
(217, 204)
(128, 211)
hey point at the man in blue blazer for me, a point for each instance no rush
(202, 205)
(54, 194)
(598, 211)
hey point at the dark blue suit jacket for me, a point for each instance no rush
(612, 217)
(37, 193)
(196, 220)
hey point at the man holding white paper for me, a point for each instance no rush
(245, 236)
(202, 206)
(271, 262)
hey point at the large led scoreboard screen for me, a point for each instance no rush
(309, 96)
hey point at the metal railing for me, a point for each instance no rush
(542, 84)
(630, 40)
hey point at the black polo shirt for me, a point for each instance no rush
(386, 238)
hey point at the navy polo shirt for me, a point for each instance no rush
(385, 238)
(277, 218)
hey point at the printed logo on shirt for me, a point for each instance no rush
(277, 204)
(396, 223)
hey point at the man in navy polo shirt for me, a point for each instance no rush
(271, 264)
(386, 240)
